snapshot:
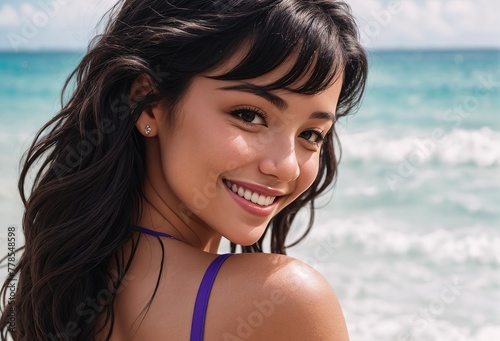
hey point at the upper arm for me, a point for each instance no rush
(309, 308)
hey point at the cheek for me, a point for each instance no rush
(230, 150)
(308, 171)
(240, 151)
(208, 151)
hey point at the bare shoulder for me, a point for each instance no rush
(274, 297)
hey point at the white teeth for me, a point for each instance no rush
(262, 200)
(254, 197)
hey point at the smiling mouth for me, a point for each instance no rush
(248, 195)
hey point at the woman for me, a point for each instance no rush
(189, 121)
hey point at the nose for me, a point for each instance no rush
(280, 160)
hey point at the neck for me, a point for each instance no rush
(165, 215)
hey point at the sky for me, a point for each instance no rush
(383, 24)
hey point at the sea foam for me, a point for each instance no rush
(478, 147)
(462, 245)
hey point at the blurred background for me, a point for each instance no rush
(410, 236)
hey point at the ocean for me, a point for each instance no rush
(410, 235)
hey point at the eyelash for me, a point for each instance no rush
(319, 137)
(236, 113)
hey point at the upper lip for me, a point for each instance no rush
(258, 188)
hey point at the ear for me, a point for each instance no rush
(147, 123)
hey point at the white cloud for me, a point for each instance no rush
(78, 19)
(27, 10)
(9, 16)
(414, 24)
(55, 24)
(428, 23)
(80, 13)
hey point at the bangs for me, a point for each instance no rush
(291, 33)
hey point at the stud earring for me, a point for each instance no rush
(147, 130)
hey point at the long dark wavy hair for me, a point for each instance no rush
(86, 164)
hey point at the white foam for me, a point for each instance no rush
(439, 246)
(368, 191)
(468, 202)
(479, 147)
(365, 326)
(387, 272)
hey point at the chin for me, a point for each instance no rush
(246, 240)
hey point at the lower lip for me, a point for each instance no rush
(261, 211)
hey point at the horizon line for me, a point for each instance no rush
(378, 49)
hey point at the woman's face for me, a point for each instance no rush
(237, 155)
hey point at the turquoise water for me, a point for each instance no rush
(410, 237)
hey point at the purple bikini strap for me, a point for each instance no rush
(154, 233)
(201, 304)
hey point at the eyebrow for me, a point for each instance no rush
(277, 101)
(321, 115)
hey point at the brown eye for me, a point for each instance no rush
(312, 136)
(250, 116)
